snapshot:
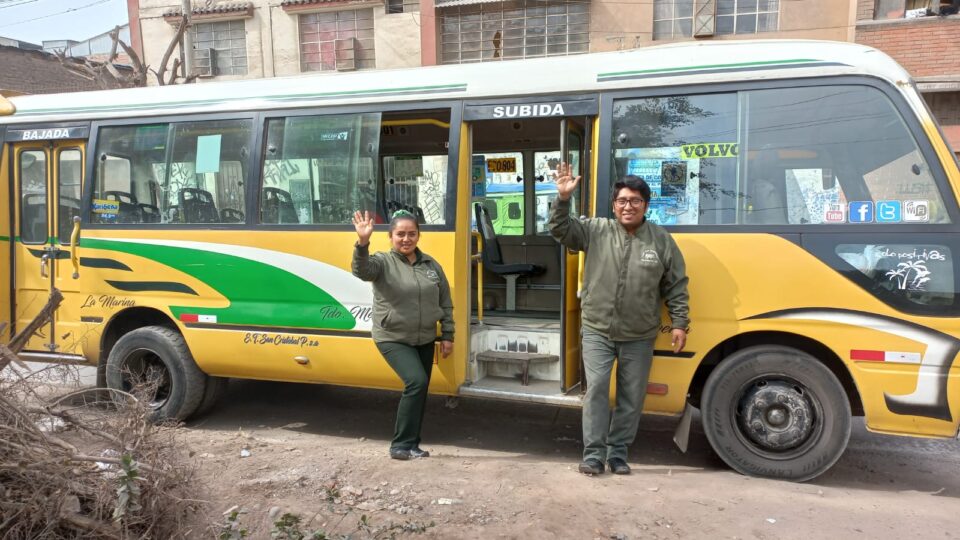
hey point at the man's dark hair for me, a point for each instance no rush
(633, 183)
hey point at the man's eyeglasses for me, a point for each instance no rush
(622, 203)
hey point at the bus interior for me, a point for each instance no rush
(518, 324)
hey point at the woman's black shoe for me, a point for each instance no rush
(416, 452)
(400, 453)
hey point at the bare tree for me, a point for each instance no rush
(107, 75)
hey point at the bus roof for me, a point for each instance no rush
(673, 64)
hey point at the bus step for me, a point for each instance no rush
(522, 359)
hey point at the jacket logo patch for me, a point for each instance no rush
(649, 256)
(433, 275)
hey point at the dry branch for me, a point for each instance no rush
(176, 41)
(20, 340)
(97, 470)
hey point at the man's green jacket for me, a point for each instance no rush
(626, 276)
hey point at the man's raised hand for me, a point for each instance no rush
(566, 182)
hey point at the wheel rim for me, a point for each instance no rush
(777, 417)
(145, 375)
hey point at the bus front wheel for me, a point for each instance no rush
(776, 412)
(155, 363)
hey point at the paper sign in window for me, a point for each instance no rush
(405, 166)
(208, 153)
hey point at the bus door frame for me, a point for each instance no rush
(40, 267)
(583, 108)
(571, 263)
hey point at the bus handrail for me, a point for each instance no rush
(74, 252)
(478, 258)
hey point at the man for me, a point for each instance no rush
(631, 266)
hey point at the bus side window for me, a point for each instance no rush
(413, 150)
(139, 181)
(804, 156)
(319, 169)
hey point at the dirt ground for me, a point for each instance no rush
(507, 470)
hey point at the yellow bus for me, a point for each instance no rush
(810, 190)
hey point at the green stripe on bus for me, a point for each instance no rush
(259, 294)
(706, 66)
(4, 238)
(278, 97)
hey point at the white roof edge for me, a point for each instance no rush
(660, 65)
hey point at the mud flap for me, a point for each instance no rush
(682, 434)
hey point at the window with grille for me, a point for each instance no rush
(403, 6)
(673, 19)
(337, 40)
(519, 29)
(220, 48)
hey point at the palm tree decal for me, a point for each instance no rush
(902, 273)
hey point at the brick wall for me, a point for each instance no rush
(865, 9)
(927, 46)
(945, 106)
(35, 72)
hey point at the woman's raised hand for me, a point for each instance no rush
(363, 223)
(566, 182)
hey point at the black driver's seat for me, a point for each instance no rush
(493, 257)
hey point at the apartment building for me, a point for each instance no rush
(265, 38)
(924, 37)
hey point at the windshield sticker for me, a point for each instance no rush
(710, 150)
(916, 211)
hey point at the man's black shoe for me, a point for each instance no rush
(591, 467)
(618, 466)
(399, 453)
(416, 452)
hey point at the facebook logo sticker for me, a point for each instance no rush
(861, 212)
(889, 212)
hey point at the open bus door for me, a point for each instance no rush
(47, 178)
(526, 341)
(572, 147)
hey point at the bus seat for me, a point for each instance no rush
(393, 206)
(150, 213)
(493, 257)
(129, 210)
(197, 206)
(230, 215)
(277, 206)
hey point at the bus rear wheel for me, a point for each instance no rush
(155, 361)
(776, 412)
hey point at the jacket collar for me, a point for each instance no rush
(635, 231)
(421, 256)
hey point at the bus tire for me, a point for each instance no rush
(159, 355)
(776, 412)
(216, 386)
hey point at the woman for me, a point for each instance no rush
(410, 295)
